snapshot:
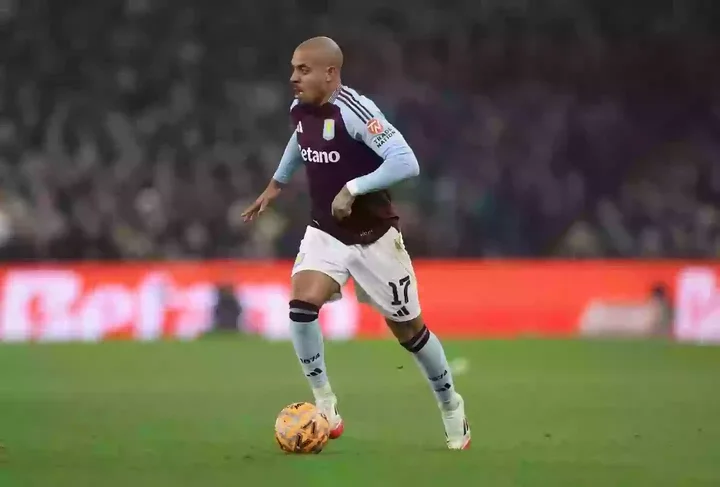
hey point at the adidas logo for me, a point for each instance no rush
(401, 312)
(314, 373)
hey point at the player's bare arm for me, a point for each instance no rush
(273, 190)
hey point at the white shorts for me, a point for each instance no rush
(382, 271)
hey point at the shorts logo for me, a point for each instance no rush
(299, 259)
(374, 126)
(399, 244)
(329, 129)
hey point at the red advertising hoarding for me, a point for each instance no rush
(92, 302)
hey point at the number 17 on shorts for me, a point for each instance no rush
(385, 279)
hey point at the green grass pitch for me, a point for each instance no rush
(543, 413)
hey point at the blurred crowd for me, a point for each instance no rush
(140, 129)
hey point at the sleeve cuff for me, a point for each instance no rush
(352, 187)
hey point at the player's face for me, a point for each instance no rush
(310, 77)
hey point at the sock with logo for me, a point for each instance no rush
(430, 357)
(308, 342)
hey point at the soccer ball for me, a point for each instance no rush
(301, 428)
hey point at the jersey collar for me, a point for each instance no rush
(335, 94)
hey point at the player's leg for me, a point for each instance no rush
(317, 277)
(310, 290)
(428, 352)
(385, 275)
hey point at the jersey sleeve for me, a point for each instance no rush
(366, 123)
(291, 159)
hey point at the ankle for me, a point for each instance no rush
(323, 393)
(451, 404)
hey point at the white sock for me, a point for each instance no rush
(430, 357)
(308, 342)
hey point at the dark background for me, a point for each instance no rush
(140, 129)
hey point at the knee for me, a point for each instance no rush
(308, 296)
(303, 311)
(313, 287)
(407, 331)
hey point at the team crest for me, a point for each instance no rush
(329, 129)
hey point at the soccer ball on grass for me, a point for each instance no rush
(301, 428)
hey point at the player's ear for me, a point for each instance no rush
(330, 73)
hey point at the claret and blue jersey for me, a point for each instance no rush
(348, 141)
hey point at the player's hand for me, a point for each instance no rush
(262, 202)
(342, 204)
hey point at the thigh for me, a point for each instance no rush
(385, 277)
(320, 268)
